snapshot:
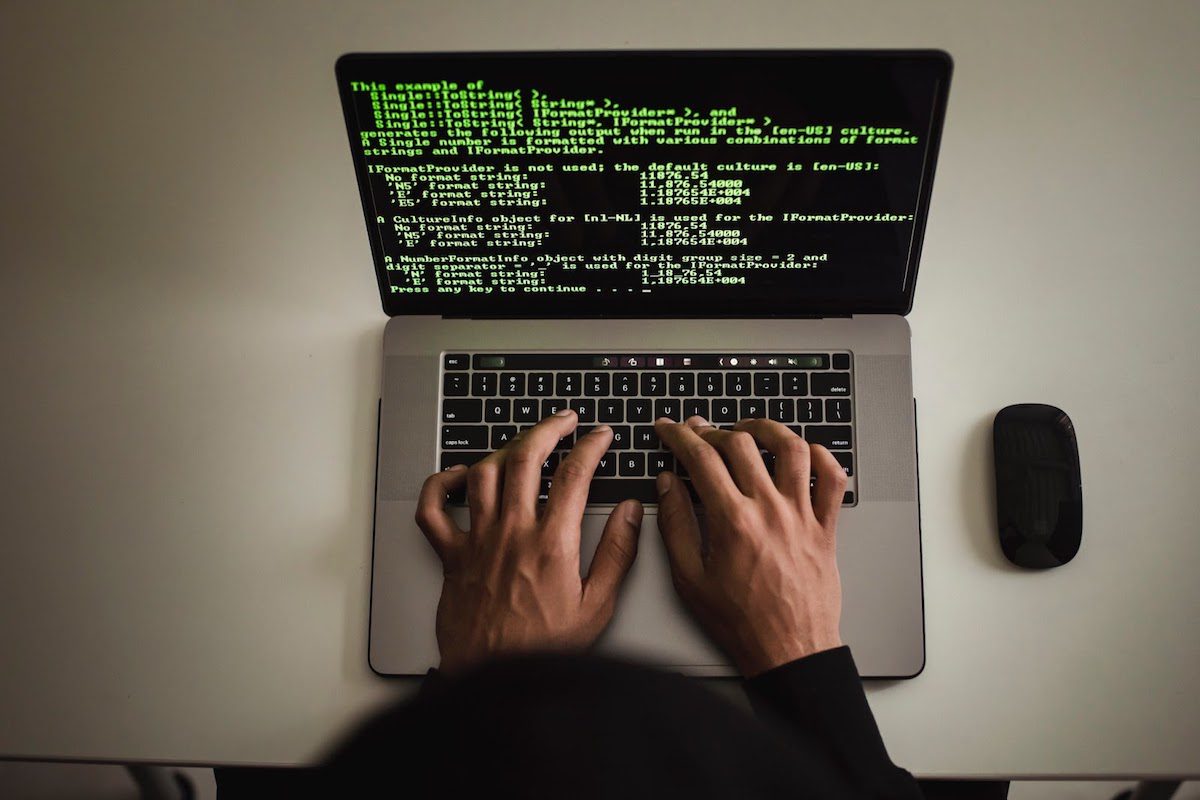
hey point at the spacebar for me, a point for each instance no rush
(614, 491)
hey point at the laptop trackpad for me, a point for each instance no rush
(650, 622)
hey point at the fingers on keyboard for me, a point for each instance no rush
(487, 400)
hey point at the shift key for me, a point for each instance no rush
(462, 411)
(464, 437)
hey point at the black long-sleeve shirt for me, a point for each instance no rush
(587, 727)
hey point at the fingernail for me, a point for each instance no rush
(456, 467)
(664, 419)
(633, 514)
(601, 429)
(663, 483)
(566, 412)
(700, 422)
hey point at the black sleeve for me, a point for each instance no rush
(432, 680)
(820, 700)
(529, 726)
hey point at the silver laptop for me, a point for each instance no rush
(646, 234)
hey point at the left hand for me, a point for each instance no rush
(511, 583)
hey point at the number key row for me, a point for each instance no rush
(645, 384)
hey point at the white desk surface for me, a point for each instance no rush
(190, 356)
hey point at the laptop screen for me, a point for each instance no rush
(645, 184)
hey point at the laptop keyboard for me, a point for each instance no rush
(488, 397)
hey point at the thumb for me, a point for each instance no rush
(614, 556)
(680, 530)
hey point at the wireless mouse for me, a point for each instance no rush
(1039, 494)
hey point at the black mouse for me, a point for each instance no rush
(1039, 493)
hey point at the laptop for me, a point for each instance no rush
(642, 234)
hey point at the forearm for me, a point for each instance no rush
(819, 699)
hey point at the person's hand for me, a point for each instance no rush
(766, 586)
(512, 581)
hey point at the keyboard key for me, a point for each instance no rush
(709, 384)
(737, 384)
(797, 429)
(667, 408)
(768, 461)
(831, 383)
(483, 384)
(781, 409)
(638, 410)
(654, 384)
(585, 409)
(848, 499)
(724, 410)
(766, 384)
(753, 408)
(457, 361)
(551, 407)
(695, 408)
(620, 440)
(625, 384)
(525, 411)
(607, 466)
(837, 410)
(464, 437)
(595, 384)
(567, 384)
(544, 489)
(613, 491)
(541, 384)
(449, 459)
(462, 411)
(452, 457)
(795, 384)
(682, 384)
(611, 411)
(659, 462)
(455, 384)
(644, 438)
(835, 437)
(512, 384)
(497, 410)
(550, 464)
(846, 460)
(502, 435)
(566, 442)
(841, 361)
(808, 411)
(632, 465)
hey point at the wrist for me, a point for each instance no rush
(763, 658)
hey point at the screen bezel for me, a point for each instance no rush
(647, 306)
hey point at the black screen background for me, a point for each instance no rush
(873, 265)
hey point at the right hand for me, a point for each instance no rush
(766, 588)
